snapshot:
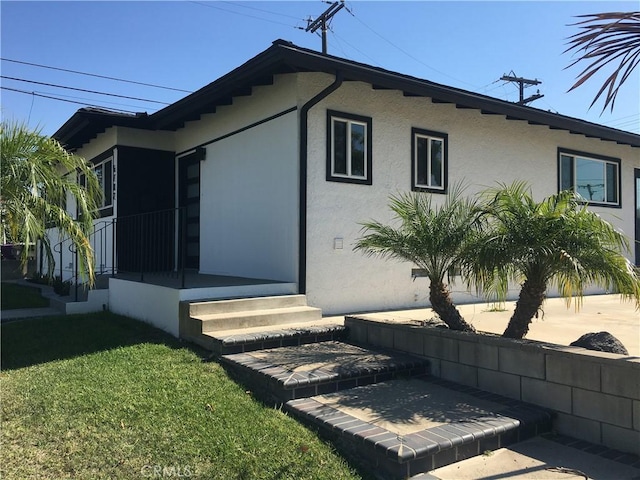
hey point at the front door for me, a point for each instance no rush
(637, 239)
(189, 201)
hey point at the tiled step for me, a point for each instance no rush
(405, 427)
(226, 342)
(287, 373)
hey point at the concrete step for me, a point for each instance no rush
(405, 427)
(286, 373)
(257, 318)
(199, 319)
(225, 342)
(197, 309)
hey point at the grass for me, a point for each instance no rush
(20, 296)
(103, 396)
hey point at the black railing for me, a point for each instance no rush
(99, 239)
(142, 244)
(152, 243)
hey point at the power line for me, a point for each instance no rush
(82, 90)
(94, 75)
(63, 99)
(407, 53)
(242, 14)
(338, 37)
(89, 100)
(236, 4)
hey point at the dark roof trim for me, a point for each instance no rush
(88, 123)
(285, 57)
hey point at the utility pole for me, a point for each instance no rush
(521, 83)
(323, 20)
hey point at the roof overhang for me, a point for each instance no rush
(285, 57)
(88, 123)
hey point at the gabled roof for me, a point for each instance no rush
(285, 57)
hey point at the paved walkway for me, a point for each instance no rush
(23, 313)
(537, 458)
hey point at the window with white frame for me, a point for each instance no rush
(103, 169)
(594, 177)
(348, 148)
(428, 161)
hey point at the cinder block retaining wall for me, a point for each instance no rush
(596, 395)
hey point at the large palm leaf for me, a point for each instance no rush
(556, 242)
(431, 236)
(605, 38)
(37, 177)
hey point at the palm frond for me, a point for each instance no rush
(605, 38)
(556, 241)
(37, 177)
(430, 234)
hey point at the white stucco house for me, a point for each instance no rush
(276, 163)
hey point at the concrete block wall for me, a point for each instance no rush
(595, 395)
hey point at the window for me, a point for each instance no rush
(348, 148)
(104, 171)
(595, 178)
(428, 161)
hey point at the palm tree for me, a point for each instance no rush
(432, 237)
(37, 175)
(557, 242)
(604, 38)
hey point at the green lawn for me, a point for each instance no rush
(20, 296)
(102, 396)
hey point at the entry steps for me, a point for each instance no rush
(382, 409)
(244, 324)
(294, 372)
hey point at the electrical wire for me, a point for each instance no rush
(242, 14)
(407, 53)
(89, 100)
(82, 90)
(240, 4)
(355, 48)
(64, 100)
(93, 75)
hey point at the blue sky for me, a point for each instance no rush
(188, 44)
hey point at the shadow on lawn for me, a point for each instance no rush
(27, 343)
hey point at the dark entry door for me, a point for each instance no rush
(189, 198)
(637, 239)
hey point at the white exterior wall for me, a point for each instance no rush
(249, 185)
(159, 306)
(150, 303)
(483, 149)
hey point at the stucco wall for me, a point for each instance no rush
(150, 303)
(249, 186)
(483, 149)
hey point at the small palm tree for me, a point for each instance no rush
(37, 173)
(557, 241)
(430, 236)
(605, 38)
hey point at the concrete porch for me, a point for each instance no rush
(157, 299)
